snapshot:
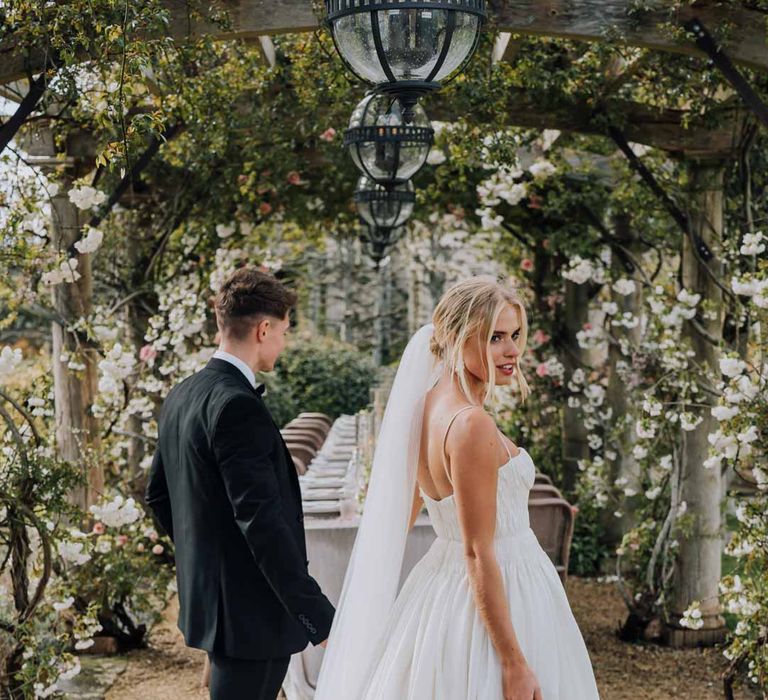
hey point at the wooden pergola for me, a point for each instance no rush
(587, 20)
(707, 149)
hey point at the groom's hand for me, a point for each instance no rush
(324, 644)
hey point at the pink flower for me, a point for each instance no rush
(147, 353)
(540, 337)
(265, 208)
(99, 529)
(526, 264)
(329, 134)
(140, 547)
(122, 540)
(242, 179)
(587, 326)
(153, 536)
(542, 370)
(158, 549)
(293, 178)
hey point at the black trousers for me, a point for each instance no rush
(246, 679)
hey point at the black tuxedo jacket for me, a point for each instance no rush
(224, 488)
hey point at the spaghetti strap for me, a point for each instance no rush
(450, 423)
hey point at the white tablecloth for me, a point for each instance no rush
(329, 546)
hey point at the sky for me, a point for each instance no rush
(6, 106)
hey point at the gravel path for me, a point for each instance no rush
(170, 671)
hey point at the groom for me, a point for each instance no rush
(224, 487)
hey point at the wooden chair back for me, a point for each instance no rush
(552, 521)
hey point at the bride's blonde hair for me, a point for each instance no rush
(471, 309)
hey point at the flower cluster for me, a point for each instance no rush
(117, 512)
(86, 197)
(509, 183)
(66, 272)
(581, 270)
(446, 248)
(114, 369)
(10, 359)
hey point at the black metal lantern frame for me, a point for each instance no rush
(377, 241)
(401, 199)
(408, 90)
(381, 137)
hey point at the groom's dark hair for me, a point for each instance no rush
(246, 297)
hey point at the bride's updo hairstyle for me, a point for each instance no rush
(470, 309)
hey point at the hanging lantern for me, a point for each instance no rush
(377, 242)
(384, 207)
(407, 47)
(382, 145)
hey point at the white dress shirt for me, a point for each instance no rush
(237, 362)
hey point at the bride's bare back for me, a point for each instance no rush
(444, 408)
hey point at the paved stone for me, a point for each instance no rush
(96, 678)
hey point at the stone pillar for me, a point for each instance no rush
(698, 568)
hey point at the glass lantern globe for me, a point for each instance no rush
(382, 145)
(377, 242)
(384, 207)
(405, 45)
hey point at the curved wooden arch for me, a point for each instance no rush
(586, 20)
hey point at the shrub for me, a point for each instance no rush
(326, 375)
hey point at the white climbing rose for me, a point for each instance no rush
(65, 272)
(731, 366)
(86, 197)
(624, 286)
(542, 169)
(436, 156)
(90, 242)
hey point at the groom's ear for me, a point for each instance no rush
(261, 328)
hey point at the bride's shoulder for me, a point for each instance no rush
(470, 423)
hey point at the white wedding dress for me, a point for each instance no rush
(425, 640)
(436, 647)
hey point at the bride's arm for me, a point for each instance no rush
(418, 502)
(472, 448)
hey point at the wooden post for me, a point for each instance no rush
(575, 315)
(77, 429)
(699, 564)
(624, 466)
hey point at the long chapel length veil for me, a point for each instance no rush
(372, 576)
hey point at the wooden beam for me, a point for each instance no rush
(505, 48)
(659, 128)
(601, 20)
(268, 50)
(586, 20)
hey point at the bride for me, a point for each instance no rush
(483, 615)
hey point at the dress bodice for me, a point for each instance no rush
(516, 478)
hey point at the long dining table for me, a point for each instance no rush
(329, 547)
